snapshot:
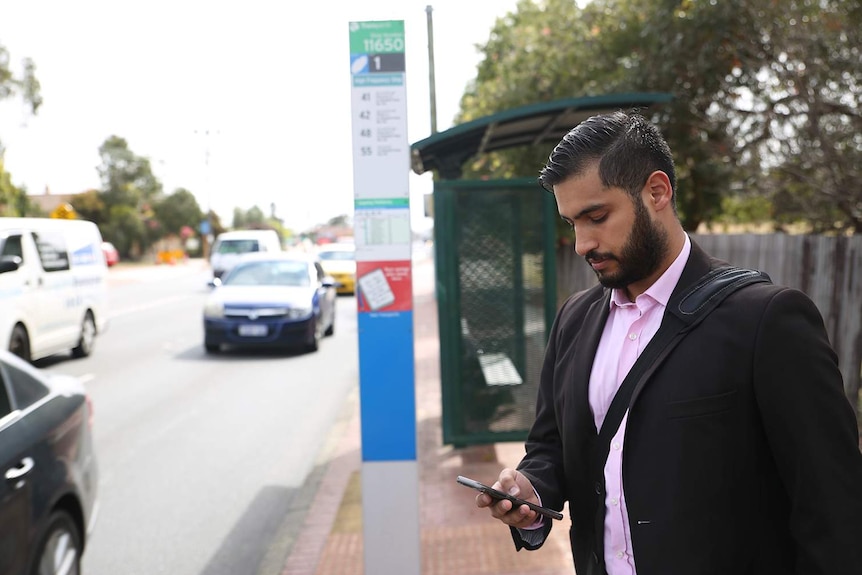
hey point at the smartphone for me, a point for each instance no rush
(499, 495)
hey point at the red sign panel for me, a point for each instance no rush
(384, 286)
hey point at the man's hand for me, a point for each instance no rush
(514, 483)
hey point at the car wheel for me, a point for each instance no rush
(19, 343)
(212, 347)
(59, 551)
(88, 337)
(314, 338)
(331, 329)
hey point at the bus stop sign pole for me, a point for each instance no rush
(384, 295)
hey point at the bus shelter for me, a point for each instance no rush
(495, 266)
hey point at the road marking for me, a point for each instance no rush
(148, 305)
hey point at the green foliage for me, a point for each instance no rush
(255, 219)
(127, 179)
(129, 192)
(215, 223)
(13, 200)
(738, 209)
(31, 89)
(89, 206)
(342, 221)
(177, 210)
(25, 85)
(125, 229)
(766, 93)
(251, 218)
(10, 194)
(802, 119)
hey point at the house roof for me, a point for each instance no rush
(534, 124)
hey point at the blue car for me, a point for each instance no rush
(48, 494)
(271, 300)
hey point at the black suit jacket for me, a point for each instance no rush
(741, 453)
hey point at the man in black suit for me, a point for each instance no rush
(738, 453)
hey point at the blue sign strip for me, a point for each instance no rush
(387, 395)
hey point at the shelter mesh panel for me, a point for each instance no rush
(499, 253)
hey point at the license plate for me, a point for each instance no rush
(252, 330)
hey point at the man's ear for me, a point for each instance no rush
(659, 192)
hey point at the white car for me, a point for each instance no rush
(229, 247)
(53, 286)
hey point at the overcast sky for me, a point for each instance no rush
(268, 81)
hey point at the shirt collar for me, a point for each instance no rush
(663, 287)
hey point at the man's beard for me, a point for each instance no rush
(642, 253)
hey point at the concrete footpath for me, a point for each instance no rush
(456, 537)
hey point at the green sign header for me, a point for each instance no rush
(382, 37)
(371, 203)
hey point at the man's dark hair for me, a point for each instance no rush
(627, 147)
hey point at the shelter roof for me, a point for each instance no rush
(528, 125)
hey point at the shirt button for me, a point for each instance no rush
(615, 501)
(620, 554)
(633, 336)
(616, 445)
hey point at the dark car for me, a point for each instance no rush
(49, 485)
(271, 300)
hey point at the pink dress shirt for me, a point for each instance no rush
(630, 327)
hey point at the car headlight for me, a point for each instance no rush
(214, 310)
(298, 312)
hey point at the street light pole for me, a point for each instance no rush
(431, 81)
(206, 225)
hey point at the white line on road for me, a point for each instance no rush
(148, 305)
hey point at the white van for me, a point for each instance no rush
(53, 286)
(229, 247)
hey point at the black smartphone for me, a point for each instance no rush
(499, 495)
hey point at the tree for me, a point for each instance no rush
(216, 227)
(125, 229)
(252, 218)
(255, 219)
(127, 179)
(798, 103)
(553, 50)
(766, 93)
(13, 200)
(768, 97)
(177, 210)
(25, 85)
(89, 206)
(129, 192)
(342, 221)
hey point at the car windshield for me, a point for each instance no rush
(272, 273)
(236, 246)
(345, 255)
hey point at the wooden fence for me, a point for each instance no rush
(828, 269)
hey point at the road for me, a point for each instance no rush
(204, 460)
